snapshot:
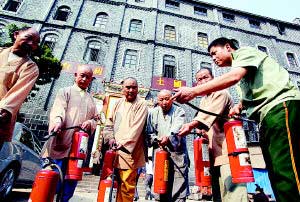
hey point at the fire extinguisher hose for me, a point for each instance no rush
(218, 115)
(69, 128)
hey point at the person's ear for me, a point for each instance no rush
(16, 33)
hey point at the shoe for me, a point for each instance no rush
(135, 198)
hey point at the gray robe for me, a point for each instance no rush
(159, 125)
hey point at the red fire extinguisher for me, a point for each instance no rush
(108, 162)
(77, 155)
(107, 188)
(201, 162)
(44, 186)
(161, 171)
(238, 153)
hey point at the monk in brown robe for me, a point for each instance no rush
(73, 106)
(18, 74)
(124, 127)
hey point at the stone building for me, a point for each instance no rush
(144, 39)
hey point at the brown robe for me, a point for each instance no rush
(126, 124)
(72, 109)
(17, 77)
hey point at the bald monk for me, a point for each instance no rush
(73, 106)
(18, 74)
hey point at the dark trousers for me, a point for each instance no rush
(280, 143)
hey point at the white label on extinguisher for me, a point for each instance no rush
(79, 163)
(244, 159)
(205, 153)
(239, 137)
(206, 171)
(113, 197)
(83, 145)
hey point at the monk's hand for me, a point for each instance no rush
(163, 141)
(185, 129)
(112, 143)
(236, 110)
(5, 116)
(183, 94)
(86, 125)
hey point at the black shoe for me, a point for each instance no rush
(135, 198)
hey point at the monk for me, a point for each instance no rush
(73, 106)
(18, 74)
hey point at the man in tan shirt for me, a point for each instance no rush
(124, 127)
(72, 106)
(218, 102)
(18, 74)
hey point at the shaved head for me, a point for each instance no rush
(164, 92)
(164, 100)
(83, 76)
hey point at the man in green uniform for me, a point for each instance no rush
(269, 97)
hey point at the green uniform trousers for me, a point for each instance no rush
(280, 143)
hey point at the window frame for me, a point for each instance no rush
(137, 28)
(204, 35)
(101, 20)
(127, 60)
(53, 40)
(60, 10)
(294, 58)
(228, 18)
(172, 4)
(167, 67)
(170, 35)
(252, 23)
(8, 3)
(199, 12)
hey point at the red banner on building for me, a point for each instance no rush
(160, 83)
(71, 67)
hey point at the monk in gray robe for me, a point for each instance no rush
(163, 124)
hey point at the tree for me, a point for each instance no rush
(49, 66)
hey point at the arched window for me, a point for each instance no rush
(62, 13)
(12, 5)
(170, 33)
(93, 51)
(169, 66)
(50, 40)
(135, 26)
(202, 40)
(101, 20)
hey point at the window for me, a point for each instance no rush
(228, 17)
(101, 20)
(170, 33)
(62, 13)
(263, 49)
(254, 23)
(135, 26)
(172, 4)
(12, 5)
(169, 65)
(200, 11)
(281, 28)
(50, 41)
(291, 60)
(130, 58)
(202, 40)
(139, 1)
(93, 51)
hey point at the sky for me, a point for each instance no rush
(285, 10)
